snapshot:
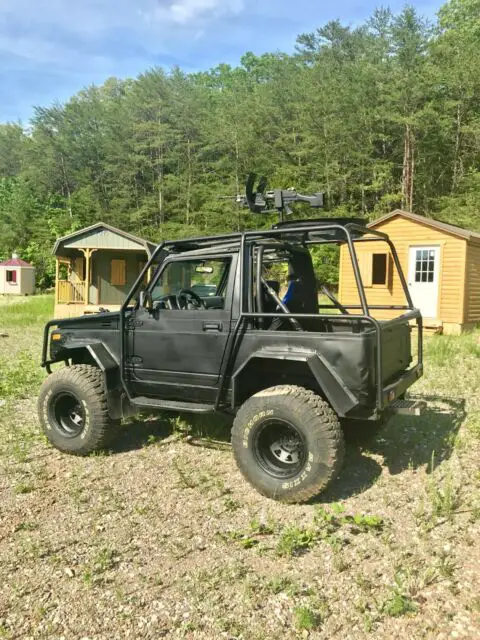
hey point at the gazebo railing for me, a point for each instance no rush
(71, 292)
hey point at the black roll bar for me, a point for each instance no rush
(130, 294)
(260, 250)
(245, 297)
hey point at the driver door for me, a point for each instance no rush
(176, 347)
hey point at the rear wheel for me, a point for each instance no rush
(73, 412)
(288, 443)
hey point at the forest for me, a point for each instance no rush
(378, 116)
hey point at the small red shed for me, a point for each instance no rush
(17, 277)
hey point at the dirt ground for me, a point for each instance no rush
(162, 538)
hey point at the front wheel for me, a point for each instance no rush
(73, 412)
(288, 443)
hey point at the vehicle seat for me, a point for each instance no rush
(293, 297)
(299, 298)
(269, 304)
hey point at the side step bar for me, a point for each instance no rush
(142, 402)
(408, 407)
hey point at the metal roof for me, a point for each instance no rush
(429, 222)
(149, 246)
(16, 262)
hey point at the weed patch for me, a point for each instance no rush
(190, 478)
(19, 376)
(444, 495)
(294, 540)
(306, 619)
(398, 601)
(105, 559)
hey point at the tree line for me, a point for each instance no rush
(380, 116)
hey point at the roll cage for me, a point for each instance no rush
(323, 231)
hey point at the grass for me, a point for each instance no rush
(25, 312)
(306, 619)
(390, 551)
(105, 559)
(325, 300)
(398, 601)
(295, 540)
(21, 322)
(444, 494)
(443, 350)
(19, 374)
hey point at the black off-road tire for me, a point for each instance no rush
(362, 431)
(296, 417)
(73, 412)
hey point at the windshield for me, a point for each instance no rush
(205, 277)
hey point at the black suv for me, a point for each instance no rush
(215, 330)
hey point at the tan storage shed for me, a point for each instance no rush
(17, 277)
(96, 267)
(441, 263)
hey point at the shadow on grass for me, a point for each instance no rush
(405, 443)
(141, 432)
(211, 431)
(410, 443)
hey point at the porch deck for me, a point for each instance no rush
(78, 309)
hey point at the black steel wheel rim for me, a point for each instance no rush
(69, 414)
(279, 448)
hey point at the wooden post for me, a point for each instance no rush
(87, 253)
(57, 273)
(89, 275)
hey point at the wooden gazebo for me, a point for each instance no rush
(95, 267)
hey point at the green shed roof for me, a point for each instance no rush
(102, 236)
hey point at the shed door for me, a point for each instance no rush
(423, 278)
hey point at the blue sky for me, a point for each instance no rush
(49, 49)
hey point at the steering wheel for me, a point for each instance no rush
(186, 297)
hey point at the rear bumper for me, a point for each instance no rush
(393, 391)
(408, 407)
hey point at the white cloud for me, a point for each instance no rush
(186, 12)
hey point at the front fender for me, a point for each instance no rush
(104, 360)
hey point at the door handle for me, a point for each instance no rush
(212, 326)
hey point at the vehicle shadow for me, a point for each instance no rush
(142, 431)
(412, 442)
(405, 443)
(210, 431)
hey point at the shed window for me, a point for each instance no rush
(118, 272)
(424, 265)
(379, 268)
(12, 276)
(375, 269)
